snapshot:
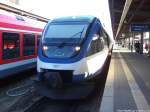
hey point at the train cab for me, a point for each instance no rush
(72, 49)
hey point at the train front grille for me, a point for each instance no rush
(66, 75)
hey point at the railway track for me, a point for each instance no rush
(47, 105)
(33, 102)
(90, 104)
(44, 105)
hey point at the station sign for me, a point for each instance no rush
(140, 27)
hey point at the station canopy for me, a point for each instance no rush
(127, 12)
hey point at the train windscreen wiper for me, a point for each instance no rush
(64, 42)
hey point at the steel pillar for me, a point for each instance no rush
(141, 43)
(133, 41)
(149, 46)
(129, 44)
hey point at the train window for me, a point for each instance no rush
(94, 45)
(38, 39)
(19, 18)
(106, 39)
(28, 44)
(100, 41)
(10, 45)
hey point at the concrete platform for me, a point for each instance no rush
(127, 87)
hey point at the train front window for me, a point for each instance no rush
(63, 41)
(11, 47)
(57, 33)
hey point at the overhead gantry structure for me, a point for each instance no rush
(22, 12)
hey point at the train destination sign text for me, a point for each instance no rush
(140, 27)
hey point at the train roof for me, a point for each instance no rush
(12, 21)
(87, 19)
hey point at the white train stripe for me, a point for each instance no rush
(89, 64)
(141, 102)
(96, 61)
(15, 64)
(18, 30)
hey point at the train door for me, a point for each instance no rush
(106, 39)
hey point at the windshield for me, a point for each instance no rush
(58, 33)
(62, 39)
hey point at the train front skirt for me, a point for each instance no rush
(70, 91)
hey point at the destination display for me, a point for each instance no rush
(140, 27)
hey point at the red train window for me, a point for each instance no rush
(28, 44)
(10, 45)
(38, 39)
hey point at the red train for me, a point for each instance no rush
(19, 38)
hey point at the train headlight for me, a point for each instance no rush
(77, 48)
(45, 47)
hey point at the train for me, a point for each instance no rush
(19, 38)
(72, 50)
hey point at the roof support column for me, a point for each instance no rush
(149, 46)
(133, 41)
(129, 44)
(141, 43)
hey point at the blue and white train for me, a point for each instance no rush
(72, 49)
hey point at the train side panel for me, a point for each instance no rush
(18, 44)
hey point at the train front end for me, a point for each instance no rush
(62, 50)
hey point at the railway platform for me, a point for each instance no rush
(127, 87)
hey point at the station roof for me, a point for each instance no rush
(138, 11)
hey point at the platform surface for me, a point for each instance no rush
(127, 86)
